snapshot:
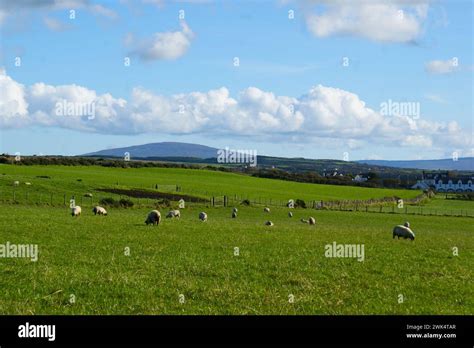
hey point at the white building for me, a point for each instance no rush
(443, 182)
(359, 178)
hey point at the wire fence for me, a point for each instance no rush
(383, 205)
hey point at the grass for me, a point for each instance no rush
(192, 181)
(86, 257)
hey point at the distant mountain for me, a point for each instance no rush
(164, 149)
(194, 153)
(465, 163)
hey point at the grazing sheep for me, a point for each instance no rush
(266, 210)
(27, 183)
(173, 214)
(290, 214)
(311, 221)
(268, 223)
(154, 217)
(234, 214)
(235, 210)
(97, 210)
(202, 216)
(76, 211)
(16, 183)
(404, 232)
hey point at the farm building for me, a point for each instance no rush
(443, 182)
(360, 178)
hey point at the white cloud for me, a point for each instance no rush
(324, 114)
(442, 66)
(103, 11)
(383, 21)
(56, 25)
(162, 46)
(11, 7)
(13, 104)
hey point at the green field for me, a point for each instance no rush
(86, 256)
(198, 182)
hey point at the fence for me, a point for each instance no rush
(383, 205)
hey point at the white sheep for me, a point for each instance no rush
(76, 211)
(16, 183)
(311, 221)
(98, 210)
(290, 214)
(28, 183)
(202, 216)
(173, 214)
(154, 217)
(266, 210)
(404, 232)
(269, 223)
(234, 214)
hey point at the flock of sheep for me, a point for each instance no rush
(154, 218)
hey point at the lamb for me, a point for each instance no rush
(266, 210)
(234, 214)
(154, 217)
(173, 214)
(76, 211)
(290, 214)
(202, 216)
(404, 232)
(311, 221)
(97, 210)
(269, 223)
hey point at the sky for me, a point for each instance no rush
(336, 79)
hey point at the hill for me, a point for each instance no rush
(466, 163)
(164, 149)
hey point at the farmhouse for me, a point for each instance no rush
(443, 182)
(360, 178)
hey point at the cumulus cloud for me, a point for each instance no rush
(12, 7)
(162, 46)
(323, 113)
(382, 21)
(442, 66)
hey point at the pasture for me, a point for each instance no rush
(116, 264)
(204, 183)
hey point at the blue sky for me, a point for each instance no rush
(291, 94)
